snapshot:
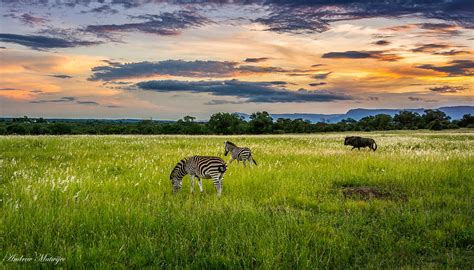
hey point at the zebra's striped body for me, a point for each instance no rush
(205, 167)
(239, 153)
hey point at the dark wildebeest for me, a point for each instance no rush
(358, 142)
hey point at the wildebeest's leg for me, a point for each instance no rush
(353, 148)
(192, 182)
(200, 184)
(217, 184)
(358, 148)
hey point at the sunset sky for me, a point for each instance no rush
(168, 59)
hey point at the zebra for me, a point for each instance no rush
(202, 167)
(239, 153)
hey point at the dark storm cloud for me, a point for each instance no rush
(321, 76)
(378, 55)
(182, 68)
(454, 68)
(61, 76)
(257, 92)
(447, 89)
(256, 60)
(8, 89)
(415, 98)
(44, 42)
(167, 23)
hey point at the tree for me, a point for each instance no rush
(260, 123)
(435, 119)
(466, 121)
(407, 120)
(226, 123)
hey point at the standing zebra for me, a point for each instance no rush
(239, 153)
(202, 167)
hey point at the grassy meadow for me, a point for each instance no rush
(106, 202)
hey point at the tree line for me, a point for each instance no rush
(228, 123)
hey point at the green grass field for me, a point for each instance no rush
(106, 202)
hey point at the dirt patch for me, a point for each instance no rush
(367, 193)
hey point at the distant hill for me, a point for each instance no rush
(455, 112)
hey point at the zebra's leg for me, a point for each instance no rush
(217, 184)
(231, 159)
(200, 184)
(250, 161)
(192, 182)
(244, 163)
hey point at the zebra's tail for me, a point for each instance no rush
(222, 168)
(254, 162)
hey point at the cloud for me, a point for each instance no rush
(379, 55)
(87, 102)
(182, 68)
(44, 42)
(447, 89)
(61, 76)
(452, 52)
(430, 47)
(440, 28)
(317, 65)
(165, 24)
(28, 19)
(415, 98)
(256, 60)
(8, 89)
(373, 98)
(257, 92)
(321, 76)
(317, 84)
(222, 101)
(307, 17)
(105, 9)
(382, 42)
(454, 68)
(60, 100)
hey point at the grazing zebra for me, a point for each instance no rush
(239, 153)
(201, 167)
(358, 142)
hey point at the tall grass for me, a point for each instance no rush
(106, 201)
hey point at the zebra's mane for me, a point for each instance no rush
(231, 143)
(179, 165)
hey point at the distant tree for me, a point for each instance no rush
(435, 119)
(466, 121)
(60, 128)
(260, 123)
(226, 123)
(407, 120)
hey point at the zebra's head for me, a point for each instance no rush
(228, 146)
(176, 176)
